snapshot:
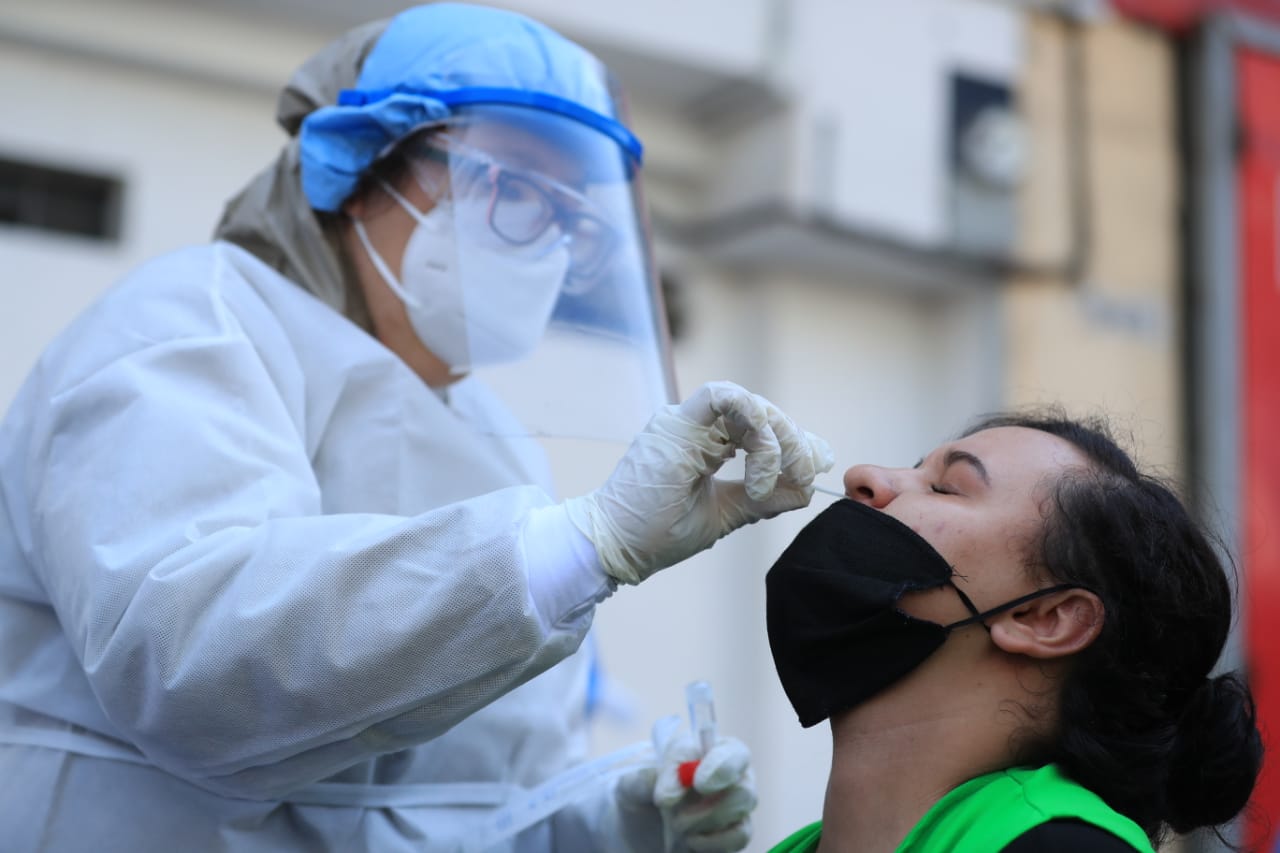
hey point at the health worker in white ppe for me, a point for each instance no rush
(280, 565)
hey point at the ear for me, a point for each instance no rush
(1055, 626)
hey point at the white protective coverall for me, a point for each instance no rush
(263, 589)
(198, 480)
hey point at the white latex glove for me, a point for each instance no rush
(662, 504)
(714, 814)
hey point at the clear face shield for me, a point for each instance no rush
(533, 272)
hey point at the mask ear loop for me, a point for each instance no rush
(376, 257)
(979, 616)
(381, 266)
(405, 204)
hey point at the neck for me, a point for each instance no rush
(882, 783)
(895, 756)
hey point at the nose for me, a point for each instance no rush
(871, 485)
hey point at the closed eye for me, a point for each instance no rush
(943, 490)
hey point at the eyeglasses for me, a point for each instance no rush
(523, 207)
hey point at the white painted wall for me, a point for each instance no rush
(883, 374)
(182, 148)
(874, 77)
(726, 37)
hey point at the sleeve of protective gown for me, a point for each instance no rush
(241, 639)
(607, 821)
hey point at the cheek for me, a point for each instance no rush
(396, 241)
(953, 538)
(971, 542)
(986, 558)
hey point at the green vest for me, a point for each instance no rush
(985, 814)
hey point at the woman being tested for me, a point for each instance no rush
(1014, 643)
(279, 570)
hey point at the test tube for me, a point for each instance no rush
(702, 713)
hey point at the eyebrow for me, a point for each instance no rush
(954, 457)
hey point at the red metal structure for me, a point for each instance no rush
(1258, 194)
(1183, 15)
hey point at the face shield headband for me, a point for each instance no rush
(836, 632)
(496, 95)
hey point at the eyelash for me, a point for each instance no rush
(942, 490)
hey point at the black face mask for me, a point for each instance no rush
(836, 633)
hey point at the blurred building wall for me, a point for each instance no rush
(824, 244)
(173, 103)
(1094, 318)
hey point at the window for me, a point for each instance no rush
(59, 200)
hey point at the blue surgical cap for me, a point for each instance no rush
(434, 60)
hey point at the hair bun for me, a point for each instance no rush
(1216, 755)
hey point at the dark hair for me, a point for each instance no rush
(391, 168)
(1142, 722)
